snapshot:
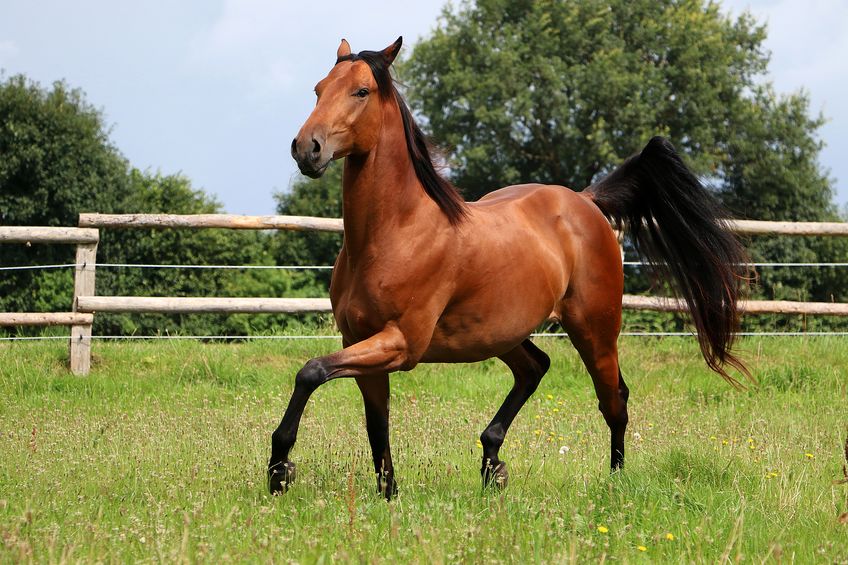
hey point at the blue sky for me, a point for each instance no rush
(217, 89)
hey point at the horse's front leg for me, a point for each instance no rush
(378, 355)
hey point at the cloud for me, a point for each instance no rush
(246, 42)
(8, 50)
(243, 26)
(809, 42)
(278, 47)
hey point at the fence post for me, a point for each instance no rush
(83, 286)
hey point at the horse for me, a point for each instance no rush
(425, 277)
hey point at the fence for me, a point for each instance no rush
(86, 240)
(86, 303)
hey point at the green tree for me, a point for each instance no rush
(561, 92)
(306, 197)
(156, 193)
(555, 91)
(56, 160)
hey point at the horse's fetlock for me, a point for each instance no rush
(493, 436)
(283, 439)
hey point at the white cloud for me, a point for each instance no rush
(809, 46)
(244, 43)
(242, 27)
(284, 47)
(8, 49)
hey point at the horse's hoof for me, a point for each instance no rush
(280, 477)
(386, 486)
(496, 476)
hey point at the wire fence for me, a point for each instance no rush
(330, 267)
(336, 337)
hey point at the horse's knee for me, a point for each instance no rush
(312, 375)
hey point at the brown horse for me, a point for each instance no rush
(423, 276)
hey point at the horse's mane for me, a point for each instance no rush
(441, 190)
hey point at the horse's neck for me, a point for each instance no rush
(381, 192)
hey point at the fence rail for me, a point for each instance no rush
(45, 319)
(314, 223)
(662, 304)
(86, 304)
(224, 221)
(198, 305)
(26, 234)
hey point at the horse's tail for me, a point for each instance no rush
(681, 230)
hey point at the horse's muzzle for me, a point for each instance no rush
(310, 157)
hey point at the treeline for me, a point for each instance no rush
(56, 160)
(514, 91)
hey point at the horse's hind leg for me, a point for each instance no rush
(593, 330)
(528, 364)
(375, 395)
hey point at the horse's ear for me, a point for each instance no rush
(343, 50)
(390, 52)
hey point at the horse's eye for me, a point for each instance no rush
(361, 93)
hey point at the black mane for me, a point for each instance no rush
(435, 185)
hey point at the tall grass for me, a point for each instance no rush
(160, 454)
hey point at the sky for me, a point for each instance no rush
(216, 89)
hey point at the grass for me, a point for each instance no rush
(159, 455)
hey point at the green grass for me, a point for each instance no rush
(160, 454)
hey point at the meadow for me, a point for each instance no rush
(159, 456)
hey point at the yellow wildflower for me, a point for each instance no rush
(550, 396)
(669, 536)
(603, 529)
(641, 548)
(808, 455)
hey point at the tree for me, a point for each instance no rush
(307, 197)
(554, 91)
(156, 193)
(56, 160)
(561, 92)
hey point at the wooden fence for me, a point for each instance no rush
(86, 240)
(86, 303)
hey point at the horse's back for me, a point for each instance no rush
(572, 214)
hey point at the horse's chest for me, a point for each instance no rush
(362, 309)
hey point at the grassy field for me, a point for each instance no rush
(160, 456)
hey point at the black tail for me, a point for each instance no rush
(681, 230)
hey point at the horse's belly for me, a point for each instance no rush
(472, 332)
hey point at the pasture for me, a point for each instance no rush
(159, 455)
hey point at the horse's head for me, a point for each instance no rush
(347, 116)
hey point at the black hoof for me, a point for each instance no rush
(495, 476)
(386, 486)
(280, 477)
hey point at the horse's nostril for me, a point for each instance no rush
(294, 148)
(316, 149)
